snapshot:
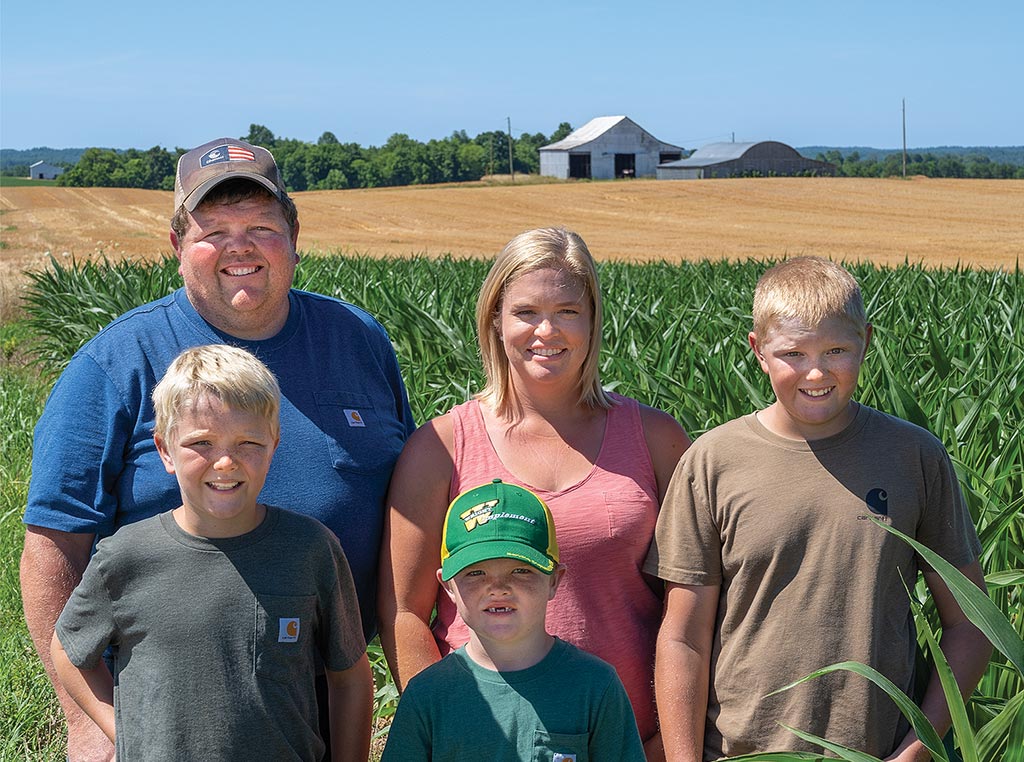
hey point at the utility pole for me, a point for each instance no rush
(904, 138)
(511, 166)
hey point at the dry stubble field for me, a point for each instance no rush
(932, 221)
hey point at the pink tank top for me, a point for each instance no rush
(605, 605)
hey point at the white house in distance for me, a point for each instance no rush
(604, 148)
(43, 171)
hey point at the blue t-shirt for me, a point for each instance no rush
(344, 419)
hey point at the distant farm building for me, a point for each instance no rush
(607, 147)
(43, 171)
(767, 157)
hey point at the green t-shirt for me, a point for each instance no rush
(570, 707)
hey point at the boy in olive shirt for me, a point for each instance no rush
(219, 611)
(772, 565)
(513, 692)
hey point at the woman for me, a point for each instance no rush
(600, 461)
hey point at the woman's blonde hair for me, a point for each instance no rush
(540, 249)
(810, 290)
(232, 375)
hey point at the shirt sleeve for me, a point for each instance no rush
(86, 626)
(78, 452)
(409, 738)
(394, 376)
(342, 643)
(946, 525)
(615, 735)
(687, 544)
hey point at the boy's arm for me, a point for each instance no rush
(350, 693)
(92, 689)
(682, 668)
(966, 649)
(52, 563)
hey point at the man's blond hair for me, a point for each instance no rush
(808, 290)
(231, 375)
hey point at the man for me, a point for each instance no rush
(344, 411)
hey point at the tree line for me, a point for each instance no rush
(330, 164)
(928, 164)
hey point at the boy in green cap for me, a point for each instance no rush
(513, 692)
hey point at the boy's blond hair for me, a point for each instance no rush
(540, 249)
(232, 375)
(809, 290)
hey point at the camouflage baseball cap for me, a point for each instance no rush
(498, 520)
(207, 166)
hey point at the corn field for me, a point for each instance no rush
(947, 354)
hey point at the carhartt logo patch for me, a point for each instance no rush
(288, 630)
(354, 418)
(558, 757)
(878, 501)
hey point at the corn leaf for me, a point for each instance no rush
(950, 688)
(977, 606)
(843, 752)
(995, 735)
(910, 710)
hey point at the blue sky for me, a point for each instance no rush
(138, 74)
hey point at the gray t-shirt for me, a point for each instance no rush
(216, 642)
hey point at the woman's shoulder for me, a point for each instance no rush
(429, 451)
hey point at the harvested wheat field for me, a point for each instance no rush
(932, 221)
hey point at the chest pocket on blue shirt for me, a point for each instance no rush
(360, 436)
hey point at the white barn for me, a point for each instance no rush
(43, 171)
(604, 148)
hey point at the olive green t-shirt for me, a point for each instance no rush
(807, 580)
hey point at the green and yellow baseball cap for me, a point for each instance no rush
(498, 520)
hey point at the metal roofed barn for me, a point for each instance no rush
(767, 157)
(604, 148)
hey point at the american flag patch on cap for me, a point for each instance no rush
(226, 153)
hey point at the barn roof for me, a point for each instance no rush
(717, 153)
(592, 130)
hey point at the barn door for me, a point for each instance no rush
(625, 165)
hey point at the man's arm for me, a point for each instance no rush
(682, 668)
(52, 563)
(350, 693)
(966, 649)
(92, 689)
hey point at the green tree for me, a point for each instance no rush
(563, 131)
(96, 168)
(260, 136)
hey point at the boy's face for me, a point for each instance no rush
(503, 600)
(220, 457)
(813, 371)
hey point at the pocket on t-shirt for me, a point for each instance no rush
(359, 436)
(285, 630)
(567, 747)
(631, 516)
